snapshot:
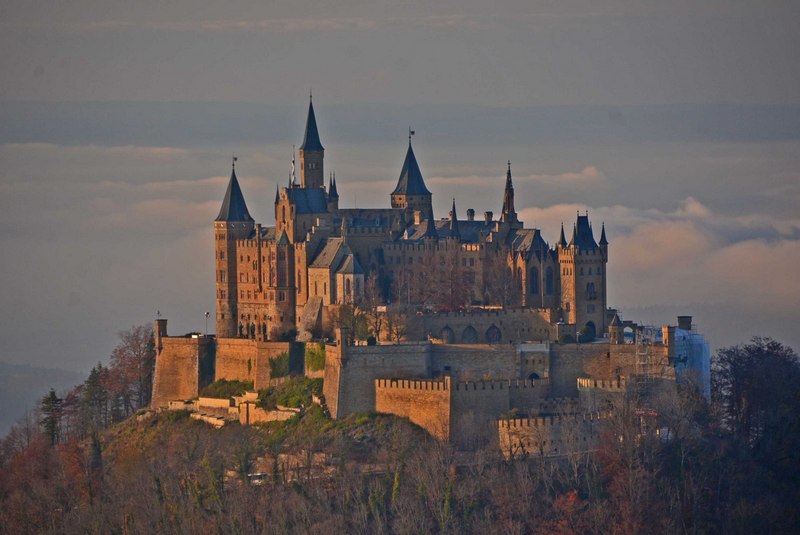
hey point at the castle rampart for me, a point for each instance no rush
(549, 435)
(183, 366)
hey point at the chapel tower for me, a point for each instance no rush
(411, 193)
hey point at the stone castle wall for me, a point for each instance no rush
(249, 360)
(549, 435)
(183, 367)
(515, 325)
(424, 402)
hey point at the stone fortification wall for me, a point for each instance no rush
(600, 395)
(183, 366)
(350, 373)
(424, 402)
(474, 362)
(549, 436)
(515, 325)
(248, 360)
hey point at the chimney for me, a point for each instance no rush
(487, 217)
(470, 215)
(685, 323)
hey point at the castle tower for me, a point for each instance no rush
(411, 193)
(312, 154)
(509, 214)
(233, 223)
(282, 290)
(583, 278)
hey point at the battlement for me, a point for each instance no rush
(544, 421)
(414, 384)
(500, 384)
(618, 385)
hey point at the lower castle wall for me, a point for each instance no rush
(183, 366)
(548, 436)
(248, 360)
(357, 367)
(424, 402)
(515, 325)
(474, 362)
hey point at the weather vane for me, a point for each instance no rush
(410, 133)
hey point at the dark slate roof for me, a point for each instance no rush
(233, 205)
(528, 240)
(350, 265)
(582, 236)
(410, 181)
(603, 240)
(311, 140)
(367, 217)
(308, 200)
(328, 253)
(615, 321)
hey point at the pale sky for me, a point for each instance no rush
(676, 124)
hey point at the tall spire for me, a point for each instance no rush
(233, 206)
(311, 140)
(454, 221)
(277, 193)
(509, 213)
(410, 181)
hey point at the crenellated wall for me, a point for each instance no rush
(549, 435)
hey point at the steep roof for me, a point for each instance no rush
(350, 265)
(311, 140)
(308, 200)
(582, 236)
(233, 205)
(328, 253)
(410, 181)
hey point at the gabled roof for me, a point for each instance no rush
(233, 205)
(410, 181)
(615, 321)
(350, 265)
(311, 140)
(307, 200)
(528, 240)
(328, 253)
(582, 236)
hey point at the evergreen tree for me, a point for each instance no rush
(51, 409)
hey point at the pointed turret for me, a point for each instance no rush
(411, 192)
(430, 227)
(509, 214)
(562, 241)
(312, 153)
(603, 240)
(454, 221)
(277, 193)
(574, 239)
(233, 205)
(332, 191)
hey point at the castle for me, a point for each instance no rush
(505, 337)
(273, 282)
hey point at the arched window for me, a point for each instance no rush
(493, 335)
(590, 291)
(315, 288)
(534, 281)
(549, 281)
(347, 288)
(299, 282)
(470, 335)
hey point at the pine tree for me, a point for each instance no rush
(50, 407)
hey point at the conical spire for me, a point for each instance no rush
(508, 214)
(603, 240)
(574, 240)
(563, 240)
(277, 193)
(410, 181)
(454, 220)
(311, 140)
(233, 205)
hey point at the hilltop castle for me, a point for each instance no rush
(496, 321)
(274, 282)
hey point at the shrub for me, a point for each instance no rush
(315, 356)
(295, 392)
(279, 366)
(226, 389)
(566, 339)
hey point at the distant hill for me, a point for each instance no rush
(21, 386)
